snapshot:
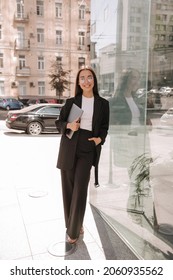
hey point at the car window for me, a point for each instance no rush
(50, 110)
(170, 111)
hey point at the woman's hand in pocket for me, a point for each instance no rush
(97, 140)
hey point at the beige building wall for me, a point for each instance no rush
(20, 25)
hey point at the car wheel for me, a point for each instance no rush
(34, 128)
(8, 107)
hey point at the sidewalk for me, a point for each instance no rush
(31, 210)
(32, 224)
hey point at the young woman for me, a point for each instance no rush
(78, 154)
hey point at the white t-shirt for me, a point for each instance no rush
(88, 108)
(134, 110)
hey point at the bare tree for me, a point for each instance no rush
(59, 78)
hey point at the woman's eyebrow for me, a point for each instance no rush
(87, 76)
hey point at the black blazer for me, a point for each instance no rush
(100, 125)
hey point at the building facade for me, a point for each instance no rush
(161, 43)
(35, 33)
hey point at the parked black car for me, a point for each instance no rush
(34, 119)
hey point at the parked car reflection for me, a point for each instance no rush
(10, 103)
(167, 118)
(166, 91)
(35, 101)
(34, 119)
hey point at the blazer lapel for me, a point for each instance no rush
(78, 100)
(97, 108)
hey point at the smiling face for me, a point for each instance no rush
(86, 82)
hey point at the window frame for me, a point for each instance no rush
(40, 35)
(58, 10)
(40, 63)
(41, 88)
(58, 37)
(40, 8)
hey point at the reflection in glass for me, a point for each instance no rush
(134, 68)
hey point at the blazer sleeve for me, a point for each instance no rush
(105, 122)
(61, 122)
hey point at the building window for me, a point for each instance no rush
(22, 88)
(132, 39)
(20, 9)
(81, 38)
(135, 10)
(138, 29)
(41, 88)
(82, 12)
(138, 39)
(1, 60)
(40, 8)
(162, 37)
(81, 62)
(158, 6)
(22, 61)
(160, 27)
(2, 90)
(164, 17)
(132, 19)
(41, 63)
(163, 27)
(58, 10)
(58, 37)
(40, 35)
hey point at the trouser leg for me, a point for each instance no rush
(67, 179)
(75, 184)
(79, 196)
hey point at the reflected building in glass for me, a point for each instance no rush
(131, 52)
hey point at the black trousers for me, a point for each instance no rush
(75, 184)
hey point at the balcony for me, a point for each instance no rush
(22, 44)
(21, 17)
(23, 71)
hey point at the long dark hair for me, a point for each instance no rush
(78, 90)
(123, 82)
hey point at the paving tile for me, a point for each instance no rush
(42, 234)
(13, 238)
(38, 209)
